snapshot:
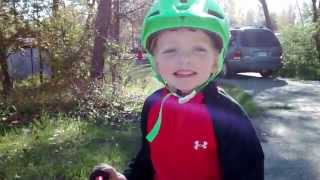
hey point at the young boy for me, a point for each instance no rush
(191, 130)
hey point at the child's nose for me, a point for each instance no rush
(184, 57)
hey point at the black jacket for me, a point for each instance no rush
(240, 154)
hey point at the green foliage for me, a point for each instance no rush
(12, 27)
(6, 111)
(66, 39)
(68, 42)
(117, 65)
(109, 101)
(300, 54)
(109, 107)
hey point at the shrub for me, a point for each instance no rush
(300, 54)
(102, 105)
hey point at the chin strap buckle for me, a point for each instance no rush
(185, 99)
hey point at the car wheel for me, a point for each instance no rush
(266, 73)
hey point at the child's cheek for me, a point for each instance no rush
(159, 69)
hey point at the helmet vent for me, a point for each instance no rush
(213, 13)
(154, 13)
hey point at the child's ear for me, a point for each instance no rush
(215, 65)
(156, 64)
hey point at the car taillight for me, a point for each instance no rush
(237, 55)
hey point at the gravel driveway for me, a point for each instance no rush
(290, 126)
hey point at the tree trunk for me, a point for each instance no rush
(55, 7)
(315, 10)
(116, 21)
(266, 14)
(101, 34)
(315, 19)
(7, 83)
(317, 39)
(300, 12)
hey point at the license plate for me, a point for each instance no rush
(262, 54)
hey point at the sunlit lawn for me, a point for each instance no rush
(64, 148)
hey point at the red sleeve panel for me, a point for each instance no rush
(186, 146)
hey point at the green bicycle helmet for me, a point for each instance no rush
(199, 14)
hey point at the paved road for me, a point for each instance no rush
(290, 126)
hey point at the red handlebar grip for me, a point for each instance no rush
(99, 178)
(99, 175)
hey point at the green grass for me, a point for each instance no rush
(64, 148)
(244, 99)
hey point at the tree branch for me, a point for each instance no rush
(142, 5)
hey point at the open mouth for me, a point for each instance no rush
(184, 73)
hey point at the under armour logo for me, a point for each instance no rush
(197, 145)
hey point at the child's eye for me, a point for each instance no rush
(200, 49)
(169, 51)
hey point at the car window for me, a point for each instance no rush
(232, 42)
(258, 39)
(233, 39)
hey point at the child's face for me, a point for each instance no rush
(185, 58)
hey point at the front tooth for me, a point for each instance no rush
(184, 73)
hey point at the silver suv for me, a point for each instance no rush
(253, 49)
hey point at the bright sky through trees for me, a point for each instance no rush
(275, 6)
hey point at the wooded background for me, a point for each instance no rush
(93, 40)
